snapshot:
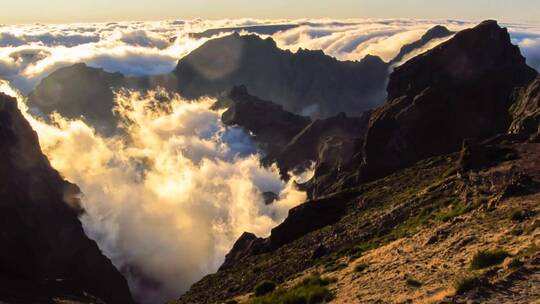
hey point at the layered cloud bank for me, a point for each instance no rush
(167, 200)
(30, 52)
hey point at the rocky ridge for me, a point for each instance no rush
(45, 253)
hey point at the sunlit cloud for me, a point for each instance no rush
(149, 48)
(167, 202)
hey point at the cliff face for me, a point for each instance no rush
(526, 112)
(45, 252)
(271, 126)
(307, 82)
(463, 88)
(330, 142)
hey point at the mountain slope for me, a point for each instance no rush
(461, 89)
(45, 253)
(414, 209)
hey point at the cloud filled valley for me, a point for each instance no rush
(168, 196)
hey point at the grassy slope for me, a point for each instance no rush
(413, 233)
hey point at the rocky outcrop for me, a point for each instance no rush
(45, 252)
(436, 32)
(526, 112)
(331, 143)
(307, 82)
(271, 126)
(301, 220)
(246, 245)
(293, 141)
(463, 88)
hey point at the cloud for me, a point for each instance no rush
(144, 39)
(354, 40)
(148, 48)
(529, 43)
(7, 39)
(531, 50)
(167, 203)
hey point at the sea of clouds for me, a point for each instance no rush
(167, 201)
(30, 52)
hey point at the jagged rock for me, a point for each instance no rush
(246, 245)
(313, 143)
(271, 126)
(476, 156)
(526, 112)
(435, 32)
(307, 82)
(461, 89)
(45, 252)
(307, 217)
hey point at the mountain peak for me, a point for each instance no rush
(467, 55)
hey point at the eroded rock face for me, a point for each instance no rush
(463, 88)
(313, 143)
(271, 126)
(246, 245)
(306, 82)
(45, 252)
(526, 112)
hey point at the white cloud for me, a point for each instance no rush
(146, 48)
(167, 203)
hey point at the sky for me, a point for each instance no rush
(66, 11)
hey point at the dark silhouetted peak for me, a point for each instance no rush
(306, 82)
(45, 252)
(463, 88)
(469, 54)
(435, 32)
(271, 126)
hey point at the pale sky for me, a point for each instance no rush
(65, 11)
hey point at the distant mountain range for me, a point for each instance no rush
(307, 82)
